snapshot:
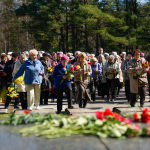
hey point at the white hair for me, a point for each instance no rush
(114, 53)
(123, 53)
(33, 52)
(77, 52)
(22, 55)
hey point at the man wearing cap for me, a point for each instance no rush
(8, 70)
(62, 83)
(45, 92)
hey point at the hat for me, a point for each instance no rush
(59, 54)
(106, 54)
(9, 53)
(45, 54)
(64, 58)
(142, 54)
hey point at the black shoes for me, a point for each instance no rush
(58, 112)
(70, 107)
(82, 103)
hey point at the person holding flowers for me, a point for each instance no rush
(20, 82)
(82, 80)
(96, 71)
(62, 83)
(112, 70)
(47, 75)
(137, 69)
(33, 70)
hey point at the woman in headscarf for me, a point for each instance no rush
(112, 70)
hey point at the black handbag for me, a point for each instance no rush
(46, 84)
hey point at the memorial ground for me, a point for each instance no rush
(11, 141)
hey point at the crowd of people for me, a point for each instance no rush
(48, 76)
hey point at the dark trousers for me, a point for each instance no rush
(142, 96)
(45, 96)
(103, 89)
(111, 88)
(127, 89)
(59, 93)
(23, 99)
(148, 78)
(93, 94)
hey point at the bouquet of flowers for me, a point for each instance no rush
(49, 70)
(20, 80)
(114, 72)
(12, 90)
(145, 65)
(69, 73)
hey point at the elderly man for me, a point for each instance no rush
(34, 70)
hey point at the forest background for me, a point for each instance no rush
(71, 25)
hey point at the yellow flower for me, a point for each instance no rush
(10, 89)
(66, 72)
(19, 80)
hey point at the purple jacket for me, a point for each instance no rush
(95, 68)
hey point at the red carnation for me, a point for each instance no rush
(89, 63)
(26, 112)
(72, 69)
(148, 71)
(136, 117)
(78, 64)
(145, 117)
(99, 115)
(75, 67)
(108, 112)
(147, 67)
(143, 64)
(145, 110)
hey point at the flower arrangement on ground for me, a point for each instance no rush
(103, 124)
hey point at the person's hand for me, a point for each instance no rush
(13, 79)
(139, 69)
(79, 70)
(64, 77)
(41, 73)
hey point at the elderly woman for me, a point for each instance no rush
(138, 78)
(33, 70)
(62, 83)
(96, 71)
(82, 80)
(112, 70)
(45, 92)
(21, 87)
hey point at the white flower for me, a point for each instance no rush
(98, 122)
(82, 121)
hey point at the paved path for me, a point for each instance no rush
(100, 104)
(11, 141)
